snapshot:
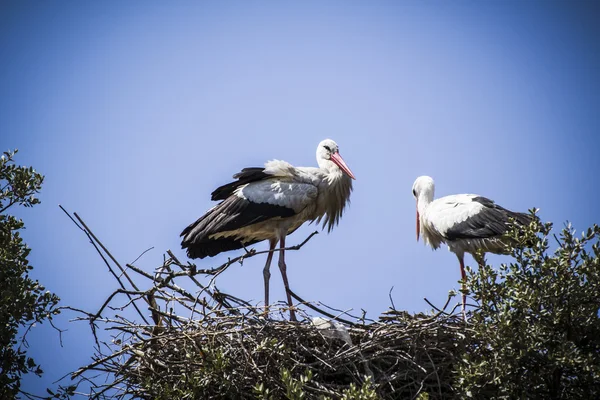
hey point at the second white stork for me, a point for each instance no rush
(467, 223)
(270, 203)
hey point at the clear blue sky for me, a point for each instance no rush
(135, 111)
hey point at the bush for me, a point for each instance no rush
(23, 301)
(536, 333)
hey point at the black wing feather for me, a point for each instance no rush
(232, 213)
(211, 248)
(247, 175)
(493, 220)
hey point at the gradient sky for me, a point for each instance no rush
(136, 111)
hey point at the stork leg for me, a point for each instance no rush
(464, 284)
(267, 273)
(283, 268)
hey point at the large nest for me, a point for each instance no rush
(229, 355)
(208, 344)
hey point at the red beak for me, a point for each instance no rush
(339, 161)
(418, 225)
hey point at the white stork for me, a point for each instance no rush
(467, 223)
(270, 203)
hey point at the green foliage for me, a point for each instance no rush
(294, 386)
(365, 392)
(23, 301)
(537, 331)
(295, 389)
(261, 392)
(211, 365)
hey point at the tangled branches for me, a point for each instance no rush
(204, 343)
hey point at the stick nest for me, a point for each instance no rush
(230, 355)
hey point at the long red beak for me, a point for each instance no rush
(339, 161)
(418, 225)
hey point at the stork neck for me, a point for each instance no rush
(333, 172)
(425, 198)
(334, 193)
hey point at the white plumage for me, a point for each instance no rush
(268, 204)
(467, 223)
(332, 329)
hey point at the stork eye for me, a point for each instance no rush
(414, 193)
(327, 148)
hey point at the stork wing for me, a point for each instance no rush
(476, 217)
(250, 204)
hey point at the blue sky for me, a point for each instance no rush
(136, 111)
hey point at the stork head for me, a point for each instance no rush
(328, 157)
(423, 190)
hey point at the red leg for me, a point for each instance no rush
(267, 273)
(282, 268)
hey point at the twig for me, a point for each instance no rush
(106, 251)
(90, 235)
(442, 310)
(99, 361)
(391, 299)
(314, 308)
(141, 255)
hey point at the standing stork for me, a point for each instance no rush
(467, 223)
(270, 203)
